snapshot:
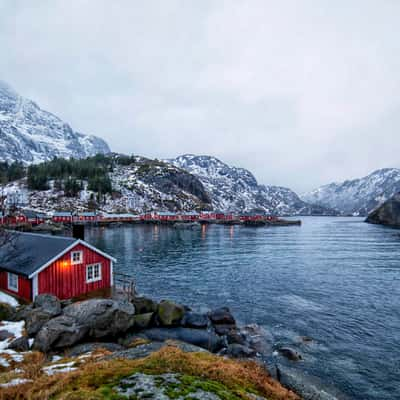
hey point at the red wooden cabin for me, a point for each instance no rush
(208, 215)
(87, 217)
(167, 216)
(32, 264)
(62, 217)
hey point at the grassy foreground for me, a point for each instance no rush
(95, 380)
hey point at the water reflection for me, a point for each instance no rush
(335, 280)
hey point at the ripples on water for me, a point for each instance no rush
(336, 280)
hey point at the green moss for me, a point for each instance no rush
(190, 384)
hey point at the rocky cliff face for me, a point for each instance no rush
(388, 213)
(30, 134)
(358, 196)
(236, 189)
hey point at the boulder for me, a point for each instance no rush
(48, 303)
(225, 329)
(235, 337)
(20, 344)
(4, 334)
(258, 339)
(102, 317)
(134, 353)
(59, 332)
(34, 320)
(387, 214)
(143, 321)
(144, 305)
(169, 313)
(290, 354)
(7, 312)
(222, 316)
(198, 337)
(240, 351)
(195, 320)
(85, 348)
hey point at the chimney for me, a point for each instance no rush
(78, 231)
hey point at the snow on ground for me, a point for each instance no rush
(16, 329)
(6, 298)
(59, 368)
(15, 382)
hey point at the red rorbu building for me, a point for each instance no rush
(32, 264)
(62, 217)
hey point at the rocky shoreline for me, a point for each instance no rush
(136, 328)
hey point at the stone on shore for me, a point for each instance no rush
(198, 337)
(144, 305)
(195, 320)
(222, 316)
(85, 348)
(240, 351)
(59, 332)
(102, 317)
(48, 303)
(143, 321)
(169, 313)
(7, 312)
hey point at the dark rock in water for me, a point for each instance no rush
(20, 344)
(258, 338)
(4, 334)
(144, 305)
(290, 354)
(142, 321)
(387, 214)
(198, 337)
(48, 303)
(240, 351)
(59, 332)
(102, 317)
(170, 313)
(7, 312)
(90, 347)
(222, 316)
(235, 337)
(225, 329)
(195, 320)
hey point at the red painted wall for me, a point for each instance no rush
(24, 286)
(66, 280)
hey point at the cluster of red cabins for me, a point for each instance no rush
(67, 217)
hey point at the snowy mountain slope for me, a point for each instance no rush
(358, 196)
(30, 134)
(236, 189)
(138, 185)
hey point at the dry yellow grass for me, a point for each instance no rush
(238, 376)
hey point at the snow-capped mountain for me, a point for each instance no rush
(236, 189)
(358, 196)
(30, 134)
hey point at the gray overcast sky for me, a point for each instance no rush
(300, 92)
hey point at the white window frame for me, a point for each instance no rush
(90, 277)
(9, 284)
(75, 262)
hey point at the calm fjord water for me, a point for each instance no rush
(336, 280)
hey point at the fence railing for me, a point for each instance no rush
(125, 283)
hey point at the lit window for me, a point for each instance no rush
(76, 257)
(93, 273)
(13, 282)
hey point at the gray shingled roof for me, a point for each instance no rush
(25, 253)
